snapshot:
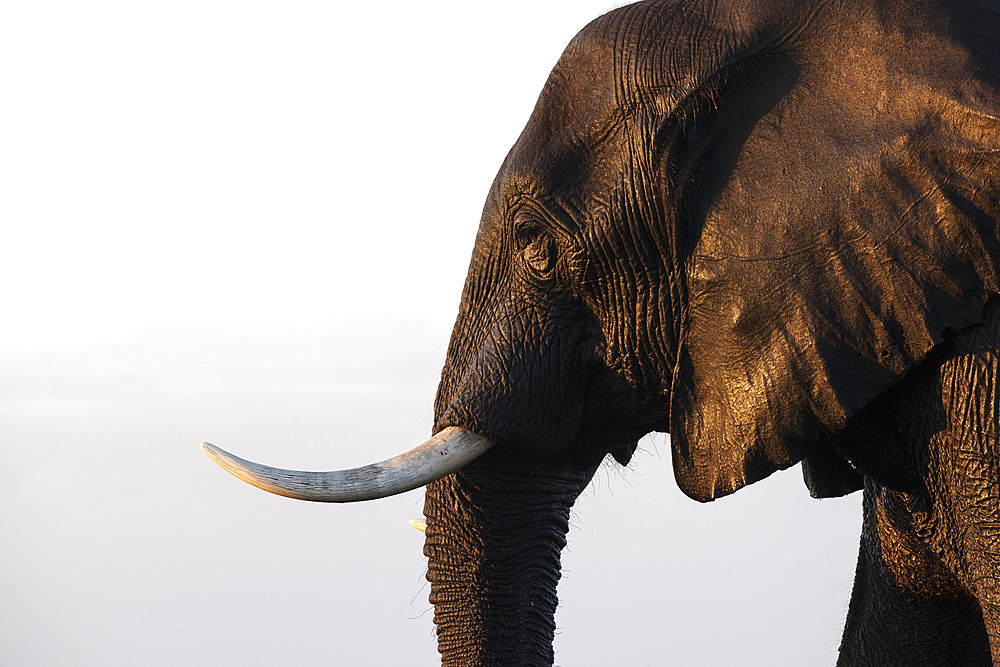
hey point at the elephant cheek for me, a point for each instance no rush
(524, 395)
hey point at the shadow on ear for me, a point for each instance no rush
(837, 209)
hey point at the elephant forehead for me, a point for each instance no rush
(559, 175)
(581, 112)
(570, 133)
(624, 71)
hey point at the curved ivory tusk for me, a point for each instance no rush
(445, 453)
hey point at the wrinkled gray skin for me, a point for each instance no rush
(769, 228)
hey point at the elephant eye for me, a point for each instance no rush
(539, 251)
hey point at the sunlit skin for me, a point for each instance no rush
(744, 224)
(768, 228)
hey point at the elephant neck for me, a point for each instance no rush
(494, 538)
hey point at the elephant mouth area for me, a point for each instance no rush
(618, 421)
(549, 428)
(583, 449)
(619, 440)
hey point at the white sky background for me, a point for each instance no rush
(249, 223)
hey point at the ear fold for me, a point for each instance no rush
(842, 217)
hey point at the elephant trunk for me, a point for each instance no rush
(495, 531)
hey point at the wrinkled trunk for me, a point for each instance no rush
(495, 531)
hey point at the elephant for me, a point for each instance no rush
(768, 228)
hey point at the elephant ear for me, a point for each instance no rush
(838, 206)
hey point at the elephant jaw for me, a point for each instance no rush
(443, 454)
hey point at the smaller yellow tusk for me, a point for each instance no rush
(419, 524)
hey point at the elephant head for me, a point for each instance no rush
(737, 222)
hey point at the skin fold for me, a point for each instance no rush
(766, 227)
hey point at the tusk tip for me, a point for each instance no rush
(419, 524)
(222, 457)
(212, 451)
